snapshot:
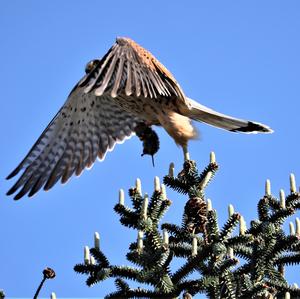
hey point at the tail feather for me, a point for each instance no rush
(204, 114)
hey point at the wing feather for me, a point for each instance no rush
(137, 83)
(95, 76)
(111, 69)
(144, 74)
(114, 91)
(128, 87)
(84, 128)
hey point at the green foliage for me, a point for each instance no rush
(245, 265)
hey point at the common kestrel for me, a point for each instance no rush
(128, 86)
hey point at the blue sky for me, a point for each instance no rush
(239, 57)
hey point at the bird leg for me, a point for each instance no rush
(186, 153)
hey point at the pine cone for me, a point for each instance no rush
(49, 273)
(195, 211)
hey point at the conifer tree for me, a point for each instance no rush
(224, 264)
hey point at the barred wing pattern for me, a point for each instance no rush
(84, 128)
(129, 69)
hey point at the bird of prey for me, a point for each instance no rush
(125, 88)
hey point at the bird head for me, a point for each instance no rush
(91, 65)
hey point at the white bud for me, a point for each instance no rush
(97, 240)
(121, 197)
(268, 188)
(163, 191)
(282, 198)
(86, 255)
(297, 227)
(156, 184)
(230, 253)
(230, 210)
(206, 180)
(243, 226)
(53, 296)
(293, 183)
(194, 247)
(140, 244)
(209, 205)
(292, 229)
(212, 157)
(165, 237)
(92, 260)
(287, 295)
(138, 186)
(145, 206)
(171, 169)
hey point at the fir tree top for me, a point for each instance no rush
(224, 265)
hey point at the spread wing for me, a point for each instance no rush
(85, 127)
(129, 69)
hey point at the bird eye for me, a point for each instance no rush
(91, 65)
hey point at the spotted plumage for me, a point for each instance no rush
(128, 86)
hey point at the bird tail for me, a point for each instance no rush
(204, 114)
